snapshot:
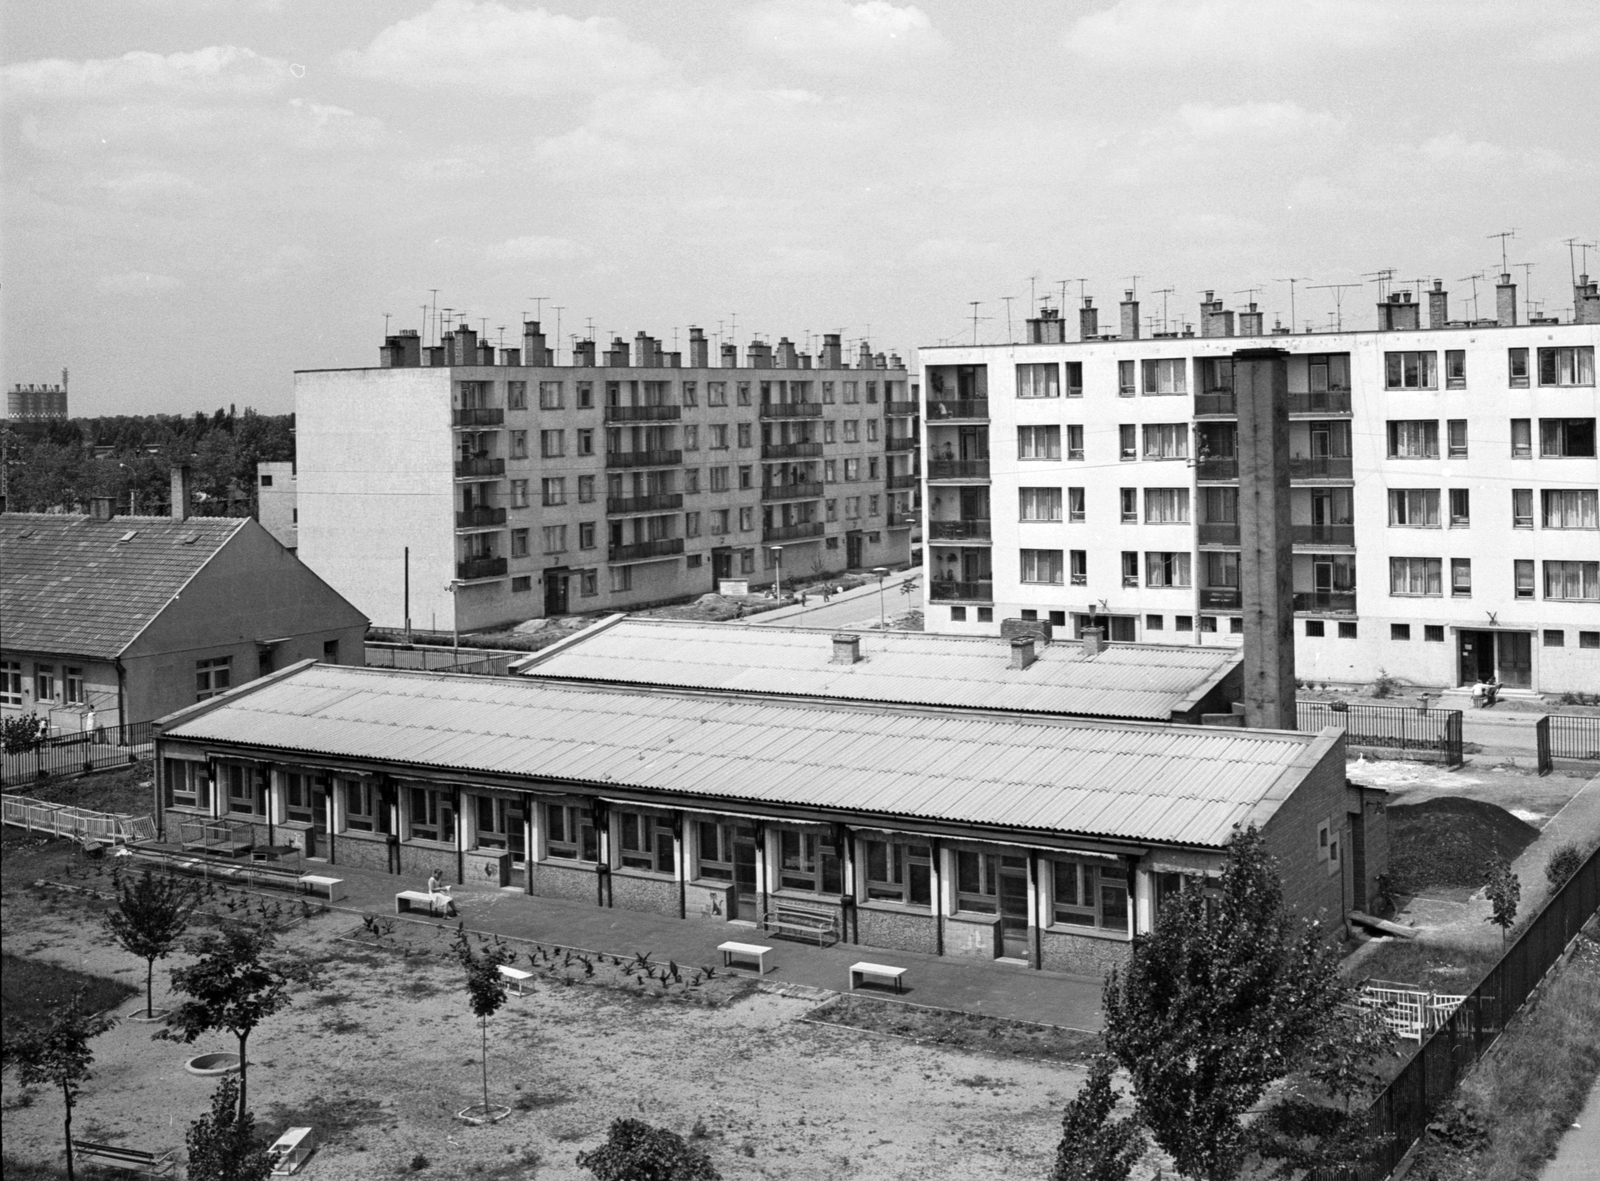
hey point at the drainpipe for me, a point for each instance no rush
(122, 699)
(938, 895)
(527, 842)
(682, 866)
(760, 827)
(266, 770)
(333, 837)
(455, 809)
(1033, 915)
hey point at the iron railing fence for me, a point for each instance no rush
(105, 746)
(1574, 736)
(1388, 727)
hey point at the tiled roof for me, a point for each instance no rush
(87, 587)
(1165, 783)
(1123, 681)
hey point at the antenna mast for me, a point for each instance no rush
(1292, 282)
(1503, 235)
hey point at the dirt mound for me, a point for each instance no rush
(1449, 841)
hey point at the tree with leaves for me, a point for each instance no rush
(1504, 891)
(1093, 1146)
(151, 915)
(20, 733)
(234, 984)
(223, 1145)
(637, 1151)
(486, 989)
(57, 1054)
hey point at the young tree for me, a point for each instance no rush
(1093, 1146)
(486, 989)
(1504, 891)
(152, 914)
(223, 1145)
(20, 733)
(57, 1054)
(636, 1151)
(234, 985)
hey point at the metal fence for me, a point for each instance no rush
(74, 754)
(1567, 736)
(1388, 727)
(78, 823)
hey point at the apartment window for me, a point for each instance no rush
(1164, 568)
(585, 395)
(1222, 568)
(430, 815)
(1075, 505)
(1522, 508)
(519, 542)
(1400, 632)
(747, 561)
(1166, 506)
(872, 506)
(809, 861)
(1089, 894)
(72, 682)
(1038, 381)
(519, 494)
(586, 535)
(851, 393)
(1574, 366)
(1415, 576)
(1127, 442)
(585, 489)
(716, 393)
(1554, 638)
(1589, 639)
(1183, 623)
(553, 490)
(1347, 631)
(1570, 508)
(744, 434)
(719, 479)
(1326, 371)
(898, 872)
(831, 510)
(555, 540)
(744, 393)
(1208, 623)
(746, 476)
(1075, 442)
(586, 441)
(1038, 442)
(1517, 361)
(691, 481)
(1416, 508)
(1042, 565)
(521, 584)
(1130, 506)
(852, 430)
(569, 833)
(827, 393)
(1314, 629)
(1166, 376)
(719, 521)
(719, 436)
(1456, 430)
(852, 470)
(1521, 438)
(1155, 623)
(551, 395)
(1522, 578)
(872, 430)
(1040, 504)
(691, 395)
(691, 524)
(519, 444)
(747, 519)
(1080, 567)
(1565, 580)
(1413, 438)
(211, 677)
(1566, 438)
(1074, 379)
(1411, 371)
(852, 508)
(872, 392)
(1125, 386)
(1433, 633)
(1460, 508)
(645, 842)
(828, 431)
(621, 579)
(589, 584)
(1166, 440)
(516, 395)
(10, 682)
(1455, 369)
(1130, 567)
(872, 467)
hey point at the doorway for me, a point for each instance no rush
(1014, 907)
(555, 592)
(747, 901)
(1476, 649)
(853, 549)
(721, 565)
(1515, 652)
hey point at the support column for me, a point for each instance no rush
(531, 832)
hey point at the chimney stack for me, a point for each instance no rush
(730, 356)
(1250, 323)
(583, 354)
(864, 359)
(534, 350)
(1094, 640)
(787, 357)
(101, 508)
(1130, 316)
(758, 355)
(846, 649)
(1214, 321)
(699, 350)
(832, 353)
(181, 491)
(1586, 302)
(1022, 652)
(1048, 327)
(1505, 301)
(1088, 319)
(617, 354)
(1438, 305)
(1398, 313)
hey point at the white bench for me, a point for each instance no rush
(746, 951)
(858, 973)
(516, 976)
(791, 919)
(289, 1151)
(406, 899)
(312, 882)
(129, 1160)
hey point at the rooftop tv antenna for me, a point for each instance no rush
(1292, 282)
(1383, 276)
(1133, 281)
(1473, 279)
(1504, 235)
(386, 316)
(1007, 300)
(975, 318)
(1033, 294)
(1064, 283)
(559, 308)
(434, 318)
(502, 330)
(1527, 287)
(538, 305)
(1251, 291)
(1572, 263)
(1163, 293)
(1338, 290)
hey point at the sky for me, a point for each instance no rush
(202, 196)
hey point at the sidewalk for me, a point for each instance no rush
(1577, 1156)
(825, 614)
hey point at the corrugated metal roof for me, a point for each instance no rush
(1130, 780)
(1122, 681)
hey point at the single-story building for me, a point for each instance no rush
(986, 833)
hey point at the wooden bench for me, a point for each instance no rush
(311, 882)
(289, 1151)
(407, 899)
(859, 972)
(516, 976)
(791, 919)
(746, 951)
(129, 1160)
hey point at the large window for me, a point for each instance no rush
(1166, 506)
(1413, 438)
(1566, 438)
(10, 682)
(1571, 508)
(1166, 440)
(500, 824)
(1038, 381)
(1416, 576)
(297, 807)
(1038, 442)
(898, 872)
(432, 815)
(1329, 371)
(244, 788)
(1042, 565)
(1089, 894)
(212, 676)
(1411, 371)
(978, 879)
(1163, 568)
(1574, 366)
(1417, 508)
(808, 861)
(1040, 504)
(1572, 580)
(569, 832)
(645, 842)
(364, 810)
(188, 784)
(1166, 376)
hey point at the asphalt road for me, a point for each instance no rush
(857, 607)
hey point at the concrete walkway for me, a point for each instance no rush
(1578, 1155)
(856, 606)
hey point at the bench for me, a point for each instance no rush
(746, 951)
(791, 919)
(516, 976)
(129, 1160)
(859, 972)
(289, 1151)
(406, 899)
(311, 882)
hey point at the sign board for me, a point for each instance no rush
(733, 587)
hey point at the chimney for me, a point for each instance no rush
(1586, 302)
(698, 349)
(895, 361)
(730, 356)
(533, 345)
(1398, 313)
(832, 354)
(846, 649)
(1438, 305)
(1088, 319)
(1048, 328)
(1261, 393)
(617, 354)
(674, 360)
(1022, 653)
(181, 492)
(758, 355)
(1130, 316)
(1505, 301)
(1214, 321)
(864, 357)
(433, 356)
(1250, 323)
(583, 354)
(511, 358)
(101, 508)
(787, 359)
(642, 351)
(401, 351)
(461, 346)
(1094, 641)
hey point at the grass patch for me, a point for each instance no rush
(331, 1117)
(1449, 841)
(961, 1031)
(1439, 967)
(29, 987)
(14, 1169)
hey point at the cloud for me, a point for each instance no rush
(221, 70)
(486, 46)
(151, 186)
(535, 248)
(952, 252)
(1194, 32)
(165, 128)
(1276, 120)
(138, 283)
(837, 37)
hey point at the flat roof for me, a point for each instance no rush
(1144, 681)
(1183, 785)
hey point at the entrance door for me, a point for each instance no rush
(721, 565)
(1516, 659)
(1014, 907)
(317, 838)
(747, 900)
(1477, 656)
(555, 593)
(853, 547)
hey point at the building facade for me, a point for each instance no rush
(461, 486)
(1443, 488)
(278, 502)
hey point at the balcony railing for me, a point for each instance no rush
(1320, 402)
(1219, 533)
(643, 458)
(643, 413)
(480, 467)
(801, 490)
(1319, 467)
(663, 547)
(1215, 402)
(790, 450)
(966, 408)
(478, 416)
(899, 483)
(1219, 598)
(949, 590)
(958, 469)
(899, 520)
(792, 532)
(471, 568)
(1217, 469)
(958, 530)
(480, 516)
(791, 410)
(901, 409)
(1324, 534)
(1340, 601)
(900, 444)
(644, 504)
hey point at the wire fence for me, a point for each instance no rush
(79, 754)
(1435, 732)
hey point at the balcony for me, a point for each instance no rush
(643, 458)
(1215, 402)
(949, 411)
(1217, 469)
(958, 469)
(1320, 467)
(480, 518)
(801, 490)
(791, 410)
(790, 450)
(664, 547)
(656, 502)
(899, 483)
(792, 532)
(1342, 602)
(1320, 402)
(472, 468)
(901, 409)
(900, 444)
(643, 413)
(1219, 533)
(970, 529)
(1219, 598)
(948, 591)
(473, 568)
(899, 520)
(1324, 534)
(477, 416)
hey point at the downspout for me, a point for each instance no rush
(938, 896)
(266, 771)
(122, 699)
(527, 842)
(683, 865)
(1033, 918)
(327, 803)
(760, 827)
(455, 815)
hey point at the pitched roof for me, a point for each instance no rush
(88, 587)
(916, 668)
(1136, 781)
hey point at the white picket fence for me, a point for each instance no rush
(1410, 1012)
(78, 823)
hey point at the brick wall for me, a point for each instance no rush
(1060, 951)
(897, 929)
(1309, 887)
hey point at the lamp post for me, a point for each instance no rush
(777, 581)
(882, 572)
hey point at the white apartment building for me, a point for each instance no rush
(1444, 487)
(459, 486)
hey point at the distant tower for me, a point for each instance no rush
(38, 403)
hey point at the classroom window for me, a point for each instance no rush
(1163, 568)
(645, 842)
(808, 861)
(211, 677)
(1089, 894)
(1042, 565)
(500, 824)
(244, 789)
(1566, 438)
(1416, 508)
(569, 833)
(1413, 438)
(1166, 376)
(1570, 366)
(1038, 442)
(188, 784)
(1040, 504)
(978, 879)
(1038, 381)
(1455, 369)
(897, 872)
(1461, 578)
(297, 804)
(1569, 580)
(1166, 506)
(1411, 371)
(431, 815)
(1569, 508)
(1415, 576)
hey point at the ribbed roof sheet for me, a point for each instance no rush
(915, 668)
(1135, 781)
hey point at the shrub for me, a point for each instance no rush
(1385, 685)
(635, 1149)
(1563, 863)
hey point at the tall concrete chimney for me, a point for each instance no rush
(1088, 319)
(730, 356)
(832, 352)
(1250, 323)
(534, 350)
(1261, 392)
(1505, 301)
(787, 358)
(1438, 305)
(583, 354)
(699, 349)
(1586, 301)
(1398, 313)
(1047, 328)
(1130, 316)
(182, 491)
(1214, 319)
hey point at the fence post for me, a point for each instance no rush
(1541, 730)
(1452, 728)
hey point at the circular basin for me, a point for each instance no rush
(212, 1064)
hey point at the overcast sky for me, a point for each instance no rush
(201, 196)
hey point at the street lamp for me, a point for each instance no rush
(777, 582)
(882, 572)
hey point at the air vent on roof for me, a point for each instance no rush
(128, 536)
(191, 539)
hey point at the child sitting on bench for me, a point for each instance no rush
(441, 895)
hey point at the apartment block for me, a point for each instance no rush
(462, 485)
(1441, 487)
